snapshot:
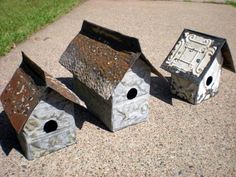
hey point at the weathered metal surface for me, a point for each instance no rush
(35, 139)
(96, 104)
(194, 53)
(128, 111)
(196, 93)
(26, 89)
(183, 88)
(228, 62)
(100, 57)
(120, 111)
(195, 64)
(20, 97)
(209, 85)
(97, 65)
(48, 80)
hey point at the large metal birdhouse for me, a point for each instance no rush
(195, 64)
(111, 75)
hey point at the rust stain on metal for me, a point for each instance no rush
(100, 57)
(26, 88)
(20, 97)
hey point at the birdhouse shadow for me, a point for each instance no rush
(81, 114)
(8, 136)
(161, 89)
(68, 81)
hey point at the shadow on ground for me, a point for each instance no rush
(161, 89)
(8, 137)
(81, 113)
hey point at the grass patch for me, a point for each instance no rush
(20, 18)
(232, 3)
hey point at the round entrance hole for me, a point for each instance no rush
(50, 126)
(132, 93)
(209, 80)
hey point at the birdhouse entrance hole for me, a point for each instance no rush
(209, 80)
(132, 93)
(50, 126)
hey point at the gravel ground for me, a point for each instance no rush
(179, 139)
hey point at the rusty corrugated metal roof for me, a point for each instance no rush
(100, 57)
(20, 97)
(25, 90)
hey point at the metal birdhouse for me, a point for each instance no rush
(111, 75)
(195, 64)
(41, 110)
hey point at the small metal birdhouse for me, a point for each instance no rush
(195, 64)
(41, 109)
(111, 75)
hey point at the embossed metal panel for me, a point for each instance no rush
(100, 57)
(20, 97)
(38, 139)
(193, 54)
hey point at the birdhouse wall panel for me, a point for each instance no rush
(52, 107)
(94, 102)
(44, 145)
(209, 85)
(185, 89)
(50, 123)
(130, 98)
(137, 77)
(130, 112)
(24, 144)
